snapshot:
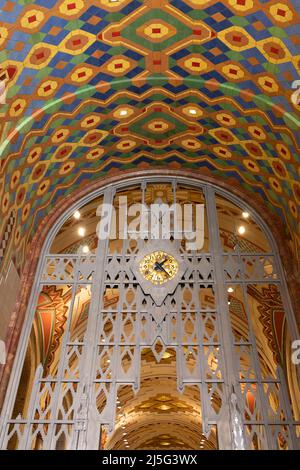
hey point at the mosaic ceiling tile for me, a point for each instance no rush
(91, 74)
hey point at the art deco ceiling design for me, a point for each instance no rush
(95, 87)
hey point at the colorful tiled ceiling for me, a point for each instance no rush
(70, 66)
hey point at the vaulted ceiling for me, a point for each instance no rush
(96, 87)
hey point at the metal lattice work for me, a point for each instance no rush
(216, 317)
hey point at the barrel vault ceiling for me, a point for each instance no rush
(97, 87)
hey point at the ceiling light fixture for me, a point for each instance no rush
(192, 111)
(123, 112)
(230, 289)
(245, 215)
(81, 231)
(76, 215)
(85, 249)
(241, 230)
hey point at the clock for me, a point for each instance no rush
(158, 267)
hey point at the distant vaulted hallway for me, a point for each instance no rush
(179, 119)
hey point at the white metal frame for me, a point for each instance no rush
(82, 427)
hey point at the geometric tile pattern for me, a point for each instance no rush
(7, 234)
(71, 66)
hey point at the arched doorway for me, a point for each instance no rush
(132, 336)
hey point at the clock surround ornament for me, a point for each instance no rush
(158, 267)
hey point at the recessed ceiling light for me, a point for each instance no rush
(127, 446)
(241, 230)
(192, 111)
(230, 289)
(81, 231)
(245, 215)
(123, 112)
(76, 215)
(85, 249)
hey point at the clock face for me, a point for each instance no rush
(159, 267)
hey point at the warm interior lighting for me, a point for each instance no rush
(81, 231)
(241, 230)
(85, 249)
(166, 355)
(76, 215)
(123, 112)
(245, 215)
(230, 289)
(192, 111)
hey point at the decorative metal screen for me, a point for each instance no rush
(107, 319)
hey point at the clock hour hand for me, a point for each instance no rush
(166, 259)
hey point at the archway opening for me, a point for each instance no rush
(134, 337)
